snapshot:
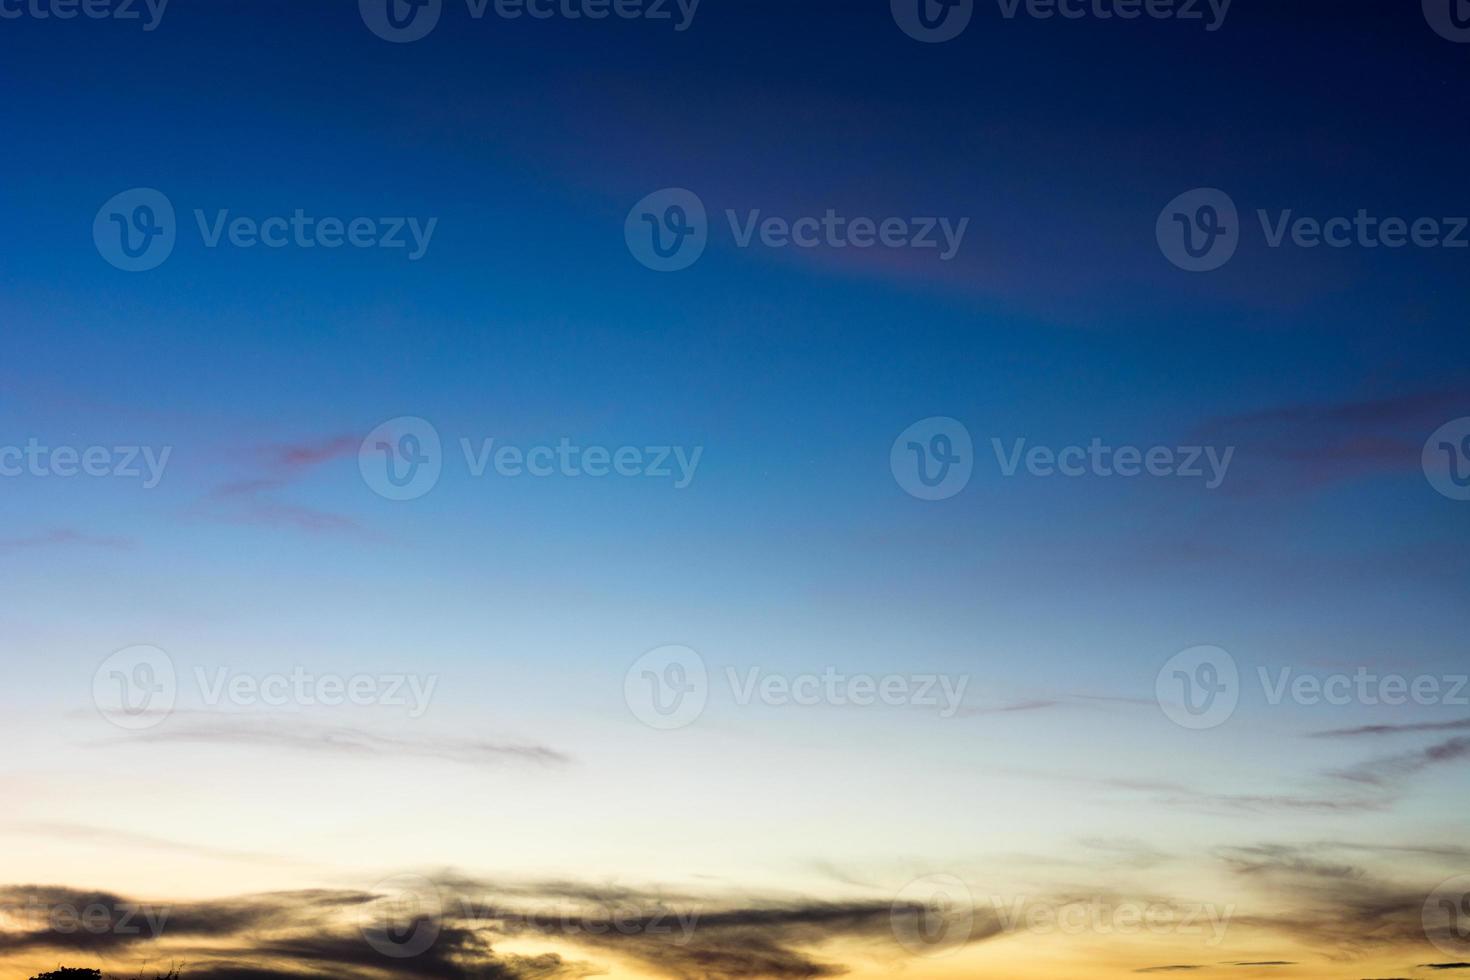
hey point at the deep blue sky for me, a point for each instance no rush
(528, 318)
(530, 140)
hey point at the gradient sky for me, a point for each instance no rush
(793, 830)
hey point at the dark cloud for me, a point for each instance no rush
(1427, 726)
(357, 935)
(1376, 785)
(1380, 772)
(1334, 906)
(769, 939)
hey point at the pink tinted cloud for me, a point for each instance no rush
(304, 455)
(1304, 446)
(249, 500)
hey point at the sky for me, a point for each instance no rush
(735, 490)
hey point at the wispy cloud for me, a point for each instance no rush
(112, 837)
(1423, 726)
(1301, 446)
(1174, 794)
(1380, 772)
(63, 537)
(1048, 702)
(1337, 907)
(203, 728)
(252, 500)
(304, 455)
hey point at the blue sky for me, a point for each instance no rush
(793, 548)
